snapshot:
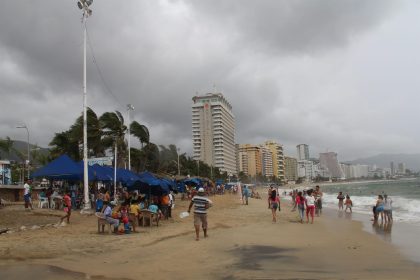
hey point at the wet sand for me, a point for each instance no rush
(243, 243)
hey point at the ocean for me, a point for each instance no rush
(405, 195)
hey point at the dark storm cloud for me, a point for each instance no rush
(275, 61)
(294, 27)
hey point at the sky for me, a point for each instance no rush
(340, 76)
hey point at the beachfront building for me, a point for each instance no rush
(329, 161)
(306, 169)
(277, 158)
(213, 132)
(302, 152)
(5, 173)
(290, 169)
(267, 162)
(250, 159)
(401, 168)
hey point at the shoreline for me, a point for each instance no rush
(400, 234)
(243, 244)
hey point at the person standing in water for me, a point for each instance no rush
(349, 204)
(340, 198)
(387, 209)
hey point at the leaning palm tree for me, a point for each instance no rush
(94, 133)
(113, 131)
(141, 132)
(63, 143)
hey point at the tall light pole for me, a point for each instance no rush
(29, 154)
(129, 108)
(84, 6)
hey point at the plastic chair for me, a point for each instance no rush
(42, 201)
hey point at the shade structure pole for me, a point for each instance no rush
(86, 205)
(115, 170)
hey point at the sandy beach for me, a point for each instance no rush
(243, 243)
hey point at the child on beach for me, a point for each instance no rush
(274, 202)
(349, 204)
(67, 207)
(310, 206)
(300, 202)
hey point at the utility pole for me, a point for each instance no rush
(129, 108)
(84, 6)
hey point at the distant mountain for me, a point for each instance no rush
(412, 161)
(19, 151)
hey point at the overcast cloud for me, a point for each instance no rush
(338, 75)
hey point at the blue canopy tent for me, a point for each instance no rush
(126, 177)
(196, 182)
(62, 168)
(149, 184)
(97, 172)
(101, 173)
(170, 184)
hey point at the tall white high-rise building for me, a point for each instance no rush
(302, 152)
(213, 129)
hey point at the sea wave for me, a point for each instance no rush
(404, 209)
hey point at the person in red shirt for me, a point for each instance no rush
(67, 207)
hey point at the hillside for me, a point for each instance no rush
(412, 161)
(19, 151)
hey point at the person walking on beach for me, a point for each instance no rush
(245, 195)
(340, 198)
(27, 190)
(349, 204)
(387, 209)
(201, 204)
(274, 204)
(318, 200)
(270, 190)
(300, 202)
(310, 206)
(67, 207)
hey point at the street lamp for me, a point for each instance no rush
(29, 155)
(84, 6)
(129, 108)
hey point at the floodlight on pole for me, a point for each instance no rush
(84, 6)
(129, 108)
(29, 154)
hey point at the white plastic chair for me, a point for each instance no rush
(42, 201)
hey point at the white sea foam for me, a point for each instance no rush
(404, 209)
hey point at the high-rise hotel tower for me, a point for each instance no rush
(213, 132)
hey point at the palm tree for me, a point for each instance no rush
(63, 143)
(113, 131)
(94, 133)
(141, 132)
